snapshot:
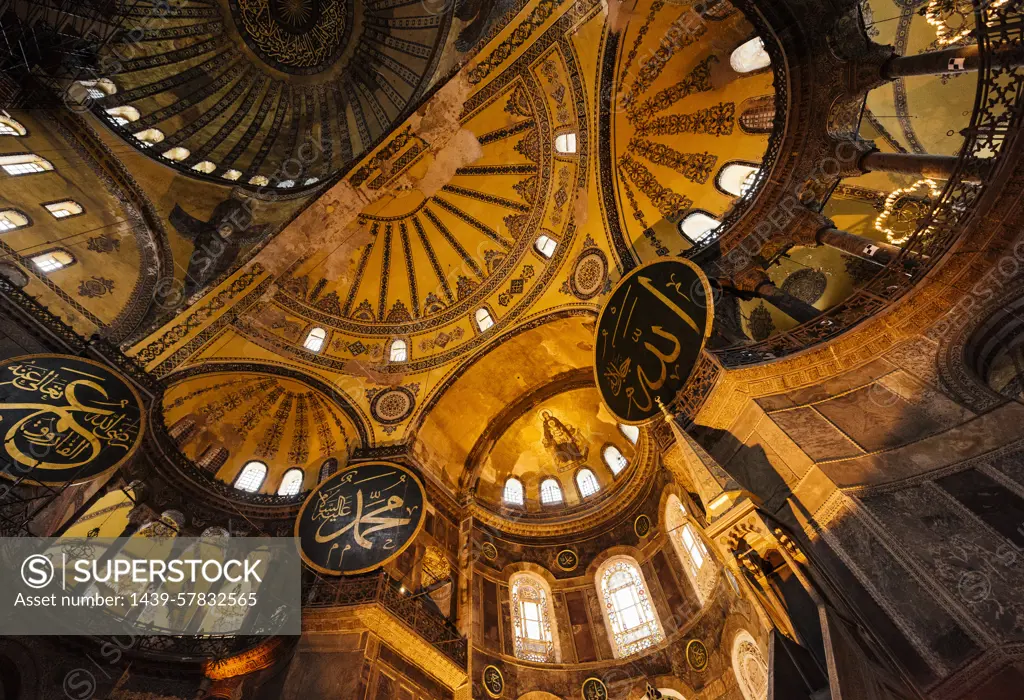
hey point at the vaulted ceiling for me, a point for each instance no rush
(442, 219)
(290, 90)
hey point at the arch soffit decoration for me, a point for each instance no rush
(956, 365)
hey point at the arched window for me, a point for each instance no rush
(232, 174)
(149, 137)
(737, 178)
(550, 492)
(314, 341)
(698, 227)
(750, 56)
(513, 493)
(613, 459)
(251, 477)
(176, 154)
(125, 114)
(285, 184)
(587, 483)
(62, 210)
(545, 245)
(205, 166)
(24, 164)
(182, 430)
(53, 260)
(327, 469)
(11, 219)
(689, 547)
(310, 181)
(483, 319)
(630, 616)
(532, 619)
(259, 180)
(566, 143)
(399, 351)
(630, 432)
(291, 483)
(757, 114)
(11, 127)
(212, 459)
(750, 667)
(98, 89)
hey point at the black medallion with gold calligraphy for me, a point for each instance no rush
(642, 526)
(494, 682)
(650, 335)
(360, 518)
(65, 419)
(567, 560)
(594, 689)
(697, 655)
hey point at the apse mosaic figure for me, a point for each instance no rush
(65, 419)
(649, 337)
(360, 518)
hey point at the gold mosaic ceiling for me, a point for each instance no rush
(441, 220)
(279, 421)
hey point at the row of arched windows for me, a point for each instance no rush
(254, 474)
(586, 481)
(630, 615)
(398, 348)
(123, 116)
(757, 117)
(18, 164)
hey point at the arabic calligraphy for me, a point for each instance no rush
(567, 560)
(360, 518)
(594, 689)
(650, 335)
(65, 418)
(494, 683)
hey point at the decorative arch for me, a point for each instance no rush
(533, 618)
(983, 346)
(629, 614)
(750, 667)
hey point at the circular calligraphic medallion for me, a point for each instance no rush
(489, 550)
(642, 526)
(696, 655)
(594, 689)
(567, 560)
(360, 518)
(649, 337)
(494, 682)
(65, 419)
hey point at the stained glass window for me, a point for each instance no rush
(628, 607)
(531, 620)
